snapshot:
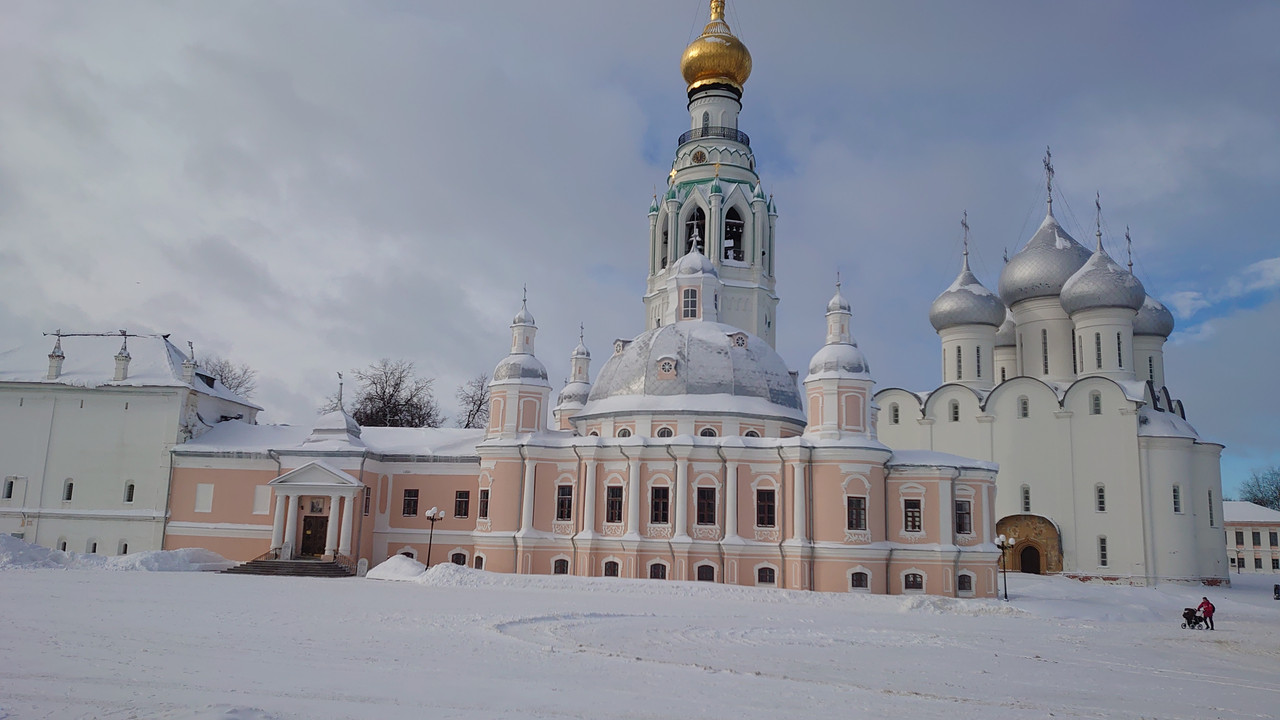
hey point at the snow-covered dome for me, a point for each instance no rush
(673, 367)
(336, 421)
(838, 303)
(1043, 266)
(844, 359)
(1101, 283)
(575, 394)
(694, 263)
(581, 351)
(1006, 336)
(966, 302)
(524, 317)
(520, 366)
(1153, 318)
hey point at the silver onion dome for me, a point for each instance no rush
(1007, 336)
(1153, 319)
(521, 367)
(574, 393)
(1043, 265)
(839, 304)
(966, 302)
(709, 358)
(1101, 283)
(843, 359)
(524, 317)
(695, 263)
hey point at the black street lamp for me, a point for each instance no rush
(1239, 562)
(433, 515)
(1005, 544)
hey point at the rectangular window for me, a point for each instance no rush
(1026, 499)
(857, 513)
(1075, 352)
(1097, 350)
(689, 308)
(706, 506)
(1239, 537)
(368, 501)
(8, 489)
(462, 503)
(977, 364)
(483, 511)
(1177, 499)
(1119, 352)
(409, 507)
(1101, 494)
(1151, 368)
(1044, 349)
(204, 497)
(1257, 538)
(1272, 537)
(959, 364)
(911, 516)
(964, 517)
(261, 500)
(660, 506)
(1210, 508)
(1003, 372)
(564, 502)
(1257, 563)
(613, 504)
(766, 509)
(1102, 552)
(1275, 563)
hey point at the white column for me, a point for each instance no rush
(589, 500)
(799, 531)
(277, 525)
(348, 513)
(633, 495)
(682, 498)
(731, 501)
(526, 507)
(331, 529)
(290, 524)
(946, 521)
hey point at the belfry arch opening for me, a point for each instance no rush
(695, 226)
(733, 232)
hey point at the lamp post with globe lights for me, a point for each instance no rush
(433, 515)
(1005, 544)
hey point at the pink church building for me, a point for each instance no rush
(694, 454)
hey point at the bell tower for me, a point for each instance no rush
(714, 199)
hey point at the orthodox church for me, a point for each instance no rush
(1060, 380)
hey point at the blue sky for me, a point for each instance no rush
(308, 187)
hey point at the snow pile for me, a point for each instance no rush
(397, 567)
(935, 605)
(219, 712)
(15, 553)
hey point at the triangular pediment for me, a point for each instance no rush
(315, 474)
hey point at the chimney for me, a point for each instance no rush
(55, 358)
(122, 359)
(189, 365)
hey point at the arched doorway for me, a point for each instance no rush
(1029, 560)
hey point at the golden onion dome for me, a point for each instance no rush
(717, 56)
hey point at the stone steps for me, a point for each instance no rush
(290, 568)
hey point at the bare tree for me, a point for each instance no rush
(473, 402)
(239, 379)
(392, 395)
(1263, 487)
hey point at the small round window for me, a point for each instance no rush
(667, 366)
(740, 340)
(665, 432)
(708, 432)
(752, 433)
(624, 432)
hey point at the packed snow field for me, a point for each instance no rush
(86, 641)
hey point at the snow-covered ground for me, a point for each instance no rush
(82, 642)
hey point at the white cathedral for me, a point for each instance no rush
(695, 454)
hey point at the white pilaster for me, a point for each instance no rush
(633, 496)
(589, 501)
(291, 524)
(526, 507)
(731, 502)
(331, 529)
(277, 525)
(799, 531)
(682, 498)
(348, 513)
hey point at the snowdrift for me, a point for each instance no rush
(18, 554)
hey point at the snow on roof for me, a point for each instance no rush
(931, 458)
(90, 362)
(238, 437)
(1154, 423)
(1238, 511)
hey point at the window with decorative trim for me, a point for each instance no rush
(1100, 497)
(660, 505)
(766, 576)
(706, 508)
(560, 567)
(409, 503)
(964, 517)
(458, 559)
(462, 503)
(751, 434)
(707, 573)
(707, 432)
(658, 571)
(766, 508)
(611, 568)
(368, 501)
(913, 581)
(859, 581)
(478, 562)
(564, 502)
(613, 504)
(665, 432)
(855, 513)
(689, 303)
(482, 509)
(624, 432)
(912, 515)
(964, 583)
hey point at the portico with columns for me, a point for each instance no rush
(294, 492)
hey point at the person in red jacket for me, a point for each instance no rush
(1206, 609)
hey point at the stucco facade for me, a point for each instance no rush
(1253, 537)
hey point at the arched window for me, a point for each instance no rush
(766, 576)
(964, 583)
(593, 433)
(913, 581)
(624, 432)
(752, 434)
(955, 411)
(1102, 551)
(1097, 351)
(695, 225)
(1003, 377)
(611, 568)
(707, 573)
(689, 303)
(665, 432)
(859, 581)
(893, 413)
(1044, 349)
(1024, 407)
(458, 559)
(657, 571)
(706, 122)
(62, 544)
(123, 548)
(733, 229)
(959, 364)
(561, 567)
(666, 246)
(1100, 497)
(1119, 351)
(478, 563)
(68, 489)
(707, 432)
(128, 492)
(91, 547)
(1026, 498)
(1095, 403)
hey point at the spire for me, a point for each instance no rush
(1097, 203)
(1048, 177)
(964, 223)
(122, 359)
(340, 408)
(124, 346)
(56, 357)
(57, 344)
(1128, 246)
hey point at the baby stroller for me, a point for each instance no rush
(1191, 620)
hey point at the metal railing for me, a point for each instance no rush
(716, 132)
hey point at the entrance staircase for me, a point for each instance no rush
(292, 568)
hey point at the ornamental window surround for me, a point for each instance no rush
(665, 432)
(856, 512)
(766, 576)
(660, 505)
(707, 573)
(913, 581)
(859, 581)
(478, 562)
(733, 232)
(912, 516)
(964, 517)
(458, 558)
(564, 502)
(560, 567)
(658, 571)
(706, 506)
(482, 510)
(964, 583)
(611, 568)
(624, 432)
(613, 504)
(707, 432)
(766, 508)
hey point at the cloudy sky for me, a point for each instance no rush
(309, 186)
